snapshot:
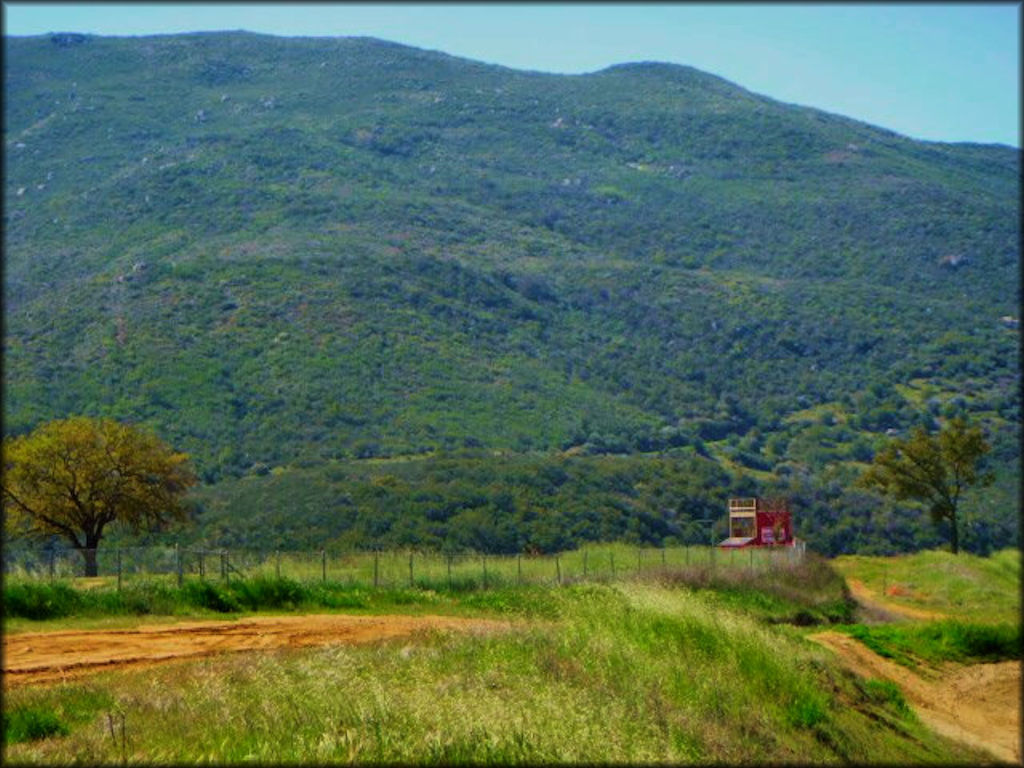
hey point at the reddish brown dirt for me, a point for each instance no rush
(43, 657)
(978, 704)
(870, 599)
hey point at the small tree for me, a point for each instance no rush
(73, 477)
(932, 469)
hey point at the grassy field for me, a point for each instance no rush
(962, 586)
(640, 671)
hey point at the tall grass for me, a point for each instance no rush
(621, 673)
(397, 568)
(401, 578)
(41, 601)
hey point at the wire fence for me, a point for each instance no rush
(382, 569)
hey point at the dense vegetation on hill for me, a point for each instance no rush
(302, 254)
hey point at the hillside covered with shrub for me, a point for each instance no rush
(298, 258)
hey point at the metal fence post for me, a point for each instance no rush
(663, 567)
(118, 569)
(519, 569)
(202, 565)
(376, 571)
(178, 564)
(410, 570)
(584, 563)
(323, 565)
(449, 559)
(483, 561)
(277, 558)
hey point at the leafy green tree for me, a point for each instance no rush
(73, 477)
(934, 469)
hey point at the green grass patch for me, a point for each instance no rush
(941, 641)
(885, 693)
(46, 713)
(31, 723)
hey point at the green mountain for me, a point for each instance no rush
(286, 254)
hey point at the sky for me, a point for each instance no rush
(942, 72)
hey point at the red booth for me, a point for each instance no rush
(759, 523)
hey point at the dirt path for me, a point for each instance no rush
(41, 657)
(870, 599)
(978, 704)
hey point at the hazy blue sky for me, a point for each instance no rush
(944, 72)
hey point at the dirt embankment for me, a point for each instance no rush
(978, 704)
(42, 657)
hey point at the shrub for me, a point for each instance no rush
(40, 601)
(32, 722)
(207, 595)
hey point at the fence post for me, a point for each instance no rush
(558, 570)
(178, 563)
(376, 571)
(611, 556)
(118, 569)
(224, 564)
(202, 565)
(584, 563)
(323, 565)
(52, 564)
(410, 569)
(449, 559)
(519, 569)
(483, 560)
(663, 567)
(277, 558)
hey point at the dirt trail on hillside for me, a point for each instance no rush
(871, 599)
(978, 704)
(44, 657)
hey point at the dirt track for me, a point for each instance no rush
(977, 704)
(42, 657)
(869, 598)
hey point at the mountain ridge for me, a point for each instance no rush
(273, 250)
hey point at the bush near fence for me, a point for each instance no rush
(385, 569)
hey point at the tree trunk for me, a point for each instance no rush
(89, 556)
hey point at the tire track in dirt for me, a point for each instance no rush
(977, 704)
(43, 657)
(870, 599)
